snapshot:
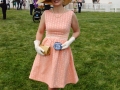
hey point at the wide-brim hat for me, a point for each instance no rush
(49, 2)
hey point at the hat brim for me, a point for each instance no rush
(49, 2)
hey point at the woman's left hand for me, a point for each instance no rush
(67, 43)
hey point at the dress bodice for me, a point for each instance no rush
(58, 24)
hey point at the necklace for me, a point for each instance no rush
(58, 16)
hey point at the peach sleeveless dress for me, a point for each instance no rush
(56, 69)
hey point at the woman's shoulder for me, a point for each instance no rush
(69, 11)
(46, 13)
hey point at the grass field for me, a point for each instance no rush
(96, 52)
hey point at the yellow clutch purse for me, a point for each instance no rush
(46, 49)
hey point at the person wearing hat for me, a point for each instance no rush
(56, 68)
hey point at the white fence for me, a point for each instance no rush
(102, 7)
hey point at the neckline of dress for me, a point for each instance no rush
(58, 13)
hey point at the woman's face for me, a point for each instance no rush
(57, 2)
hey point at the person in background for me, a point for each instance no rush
(18, 4)
(14, 3)
(57, 68)
(94, 1)
(75, 6)
(83, 1)
(31, 3)
(35, 3)
(21, 3)
(79, 5)
(8, 4)
(3, 5)
(24, 3)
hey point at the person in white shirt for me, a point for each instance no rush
(31, 3)
(24, 3)
(8, 4)
(79, 5)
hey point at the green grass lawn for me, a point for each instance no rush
(96, 52)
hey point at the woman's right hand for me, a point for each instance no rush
(38, 49)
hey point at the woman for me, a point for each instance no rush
(24, 3)
(56, 69)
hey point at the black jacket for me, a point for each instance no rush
(3, 5)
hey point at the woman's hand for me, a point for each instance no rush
(38, 49)
(67, 43)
